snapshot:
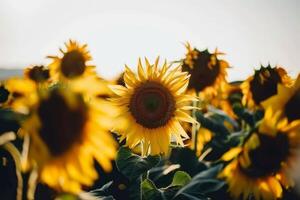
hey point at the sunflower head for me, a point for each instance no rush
(267, 157)
(22, 93)
(67, 132)
(261, 168)
(206, 69)
(73, 62)
(263, 84)
(152, 104)
(61, 130)
(39, 74)
(287, 99)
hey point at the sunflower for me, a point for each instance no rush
(66, 134)
(21, 94)
(261, 169)
(73, 64)
(152, 105)
(206, 70)
(263, 84)
(39, 74)
(286, 99)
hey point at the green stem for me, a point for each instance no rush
(195, 127)
(16, 156)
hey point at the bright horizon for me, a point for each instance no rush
(117, 33)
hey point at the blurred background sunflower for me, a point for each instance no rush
(67, 131)
(263, 164)
(263, 85)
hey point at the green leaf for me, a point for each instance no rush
(202, 184)
(9, 120)
(132, 165)
(103, 191)
(184, 196)
(211, 172)
(187, 159)
(181, 178)
(67, 197)
(218, 128)
(150, 192)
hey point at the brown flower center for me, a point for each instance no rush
(38, 74)
(267, 158)
(4, 93)
(152, 105)
(73, 64)
(264, 84)
(61, 125)
(292, 107)
(205, 71)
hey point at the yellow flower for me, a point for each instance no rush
(262, 166)
(22, 94)
(152, 105)
(263, 84)
(66, 134)
(287, 99)
(206, 70)
(72, 64)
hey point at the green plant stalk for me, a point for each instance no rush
(16, 156)
(195, 127)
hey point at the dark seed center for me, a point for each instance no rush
(39, 74)
(152, 105)
(4, 93)
(264, 84)
(267, 158)
(61, 125)
(292, 107)
(204, 73)
(73, 64)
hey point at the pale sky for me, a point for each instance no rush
(250, 32)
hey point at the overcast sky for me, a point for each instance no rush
(118, 32)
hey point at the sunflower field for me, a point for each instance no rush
(162, 130)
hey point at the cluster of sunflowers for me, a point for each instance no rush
(175, 130)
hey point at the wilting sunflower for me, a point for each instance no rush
(206, 70)
(263, 84)
(72, 64)
(66, 134)
(261, 169)
(286, 99)
(152, 105)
